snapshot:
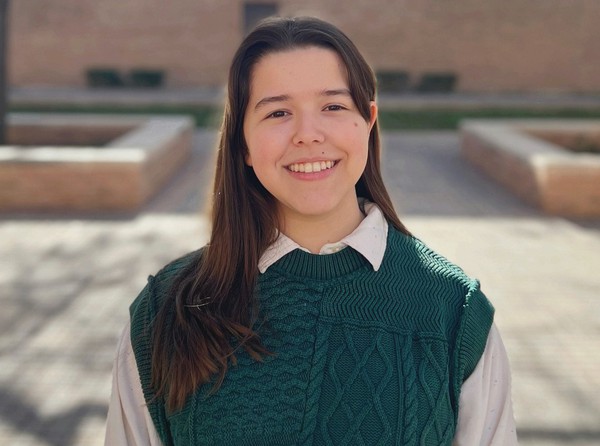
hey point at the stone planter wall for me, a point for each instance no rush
(119, 176)
(548, 176)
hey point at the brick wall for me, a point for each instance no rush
(493, 45)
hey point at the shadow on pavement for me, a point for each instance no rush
(55, 430)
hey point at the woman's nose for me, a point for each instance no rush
(308, 130)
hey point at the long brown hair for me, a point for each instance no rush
(211, 311)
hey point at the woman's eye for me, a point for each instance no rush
(277, 114)
(334, 107)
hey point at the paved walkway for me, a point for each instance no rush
(66, 283)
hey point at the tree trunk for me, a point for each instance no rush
(3, 68)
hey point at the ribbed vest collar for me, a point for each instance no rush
(320, 267)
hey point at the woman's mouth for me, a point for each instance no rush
(316, 166)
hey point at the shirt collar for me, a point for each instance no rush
(369, 239)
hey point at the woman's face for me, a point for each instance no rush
(307, 141)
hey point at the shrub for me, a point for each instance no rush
(392, 81)
(103, 77)
(146, 78)
(437, 83)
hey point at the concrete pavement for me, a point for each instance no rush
(66, 283)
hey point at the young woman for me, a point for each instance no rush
(312, 317)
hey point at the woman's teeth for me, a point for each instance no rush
(311, 167)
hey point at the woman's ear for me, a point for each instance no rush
(373, 111)
(247, 157)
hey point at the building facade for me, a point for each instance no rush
(491, 46)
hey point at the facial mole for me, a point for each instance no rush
(356, 124)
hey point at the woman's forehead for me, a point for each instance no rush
(302, 69)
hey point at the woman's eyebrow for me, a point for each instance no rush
(284, 97)
(270, 100)
(337, 92)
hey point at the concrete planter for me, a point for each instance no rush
(556, 180)
(136, 156)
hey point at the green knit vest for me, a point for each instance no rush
(362, 357)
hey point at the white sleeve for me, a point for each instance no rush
(485, 414)
(128, 422)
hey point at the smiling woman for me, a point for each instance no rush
(312, 316)
(307, 143)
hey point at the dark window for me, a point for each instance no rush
(255, 12)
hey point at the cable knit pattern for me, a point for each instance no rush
(361, 357)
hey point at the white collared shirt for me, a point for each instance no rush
(485, 415)
(369, 239)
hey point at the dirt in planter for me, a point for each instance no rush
(574, 141)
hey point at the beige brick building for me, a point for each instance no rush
(491, 45)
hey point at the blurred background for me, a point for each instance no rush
(109, 114)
